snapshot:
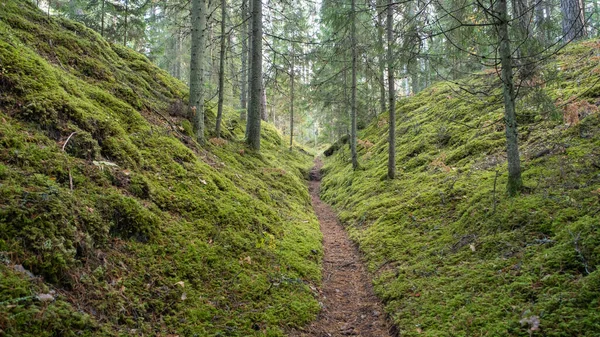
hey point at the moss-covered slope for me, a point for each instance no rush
(451, 254)
(114, 222)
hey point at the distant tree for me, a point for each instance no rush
(198, 25)
(515, 182)
(221, 69)
(256, 85)
(354, 112)
(573, 19)
(391, 91)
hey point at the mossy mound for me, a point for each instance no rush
(451, 253)
(114, 222)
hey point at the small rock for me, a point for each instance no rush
(20, 269)
(45, 297)
(376, 313)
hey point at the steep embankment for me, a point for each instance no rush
(114, 222)
(452, 255)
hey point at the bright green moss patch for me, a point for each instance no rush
(134, 228)
(452, 255)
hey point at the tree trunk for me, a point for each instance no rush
(573, 21)
(253, 126)
(126, 15)
(102, 19)
(292, 78)
(178, 54)
(263, 103)
(249, 79)
(353, 130)
(512, 146)
(244, 74)
(380, 33)
(391, 92)
(198, 18)
(221, 70)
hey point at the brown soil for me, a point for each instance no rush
(349, 306)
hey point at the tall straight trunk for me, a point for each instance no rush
(232, 70)
(102, 19)
(263, 103)
(221, 70)
(292, 80)
(126, 15)
(244, 74)
(391, 91)
(353, 130)
(198, 20)
(253, 127)
(512, 143)
(380, 33)
(573, 21)
(250, 45)
(178, 54)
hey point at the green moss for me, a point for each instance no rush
(452, 254)
(140, 229)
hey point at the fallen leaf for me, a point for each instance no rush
(183, 296)
(180, 283)
(472, 246)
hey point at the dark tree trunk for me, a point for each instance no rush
(126, 16)
(292, 79)
(102, 19)
(380, 34)
(244, 74)
(353, 131)
(512, 145)
(573, 21)
(256, 85)
(221, 70)
(198, 20)
(391, 92)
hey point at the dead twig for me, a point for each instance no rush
(63, 149)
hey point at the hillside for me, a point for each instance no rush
(113, 221)
(451, 253)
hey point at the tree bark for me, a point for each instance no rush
(178, 54)
(515, 183)
(102, 19)
(221, 70)
(292, 79)
(353, 130)
(391, 92)
(380, 33)
(573, 21)
(263, 103)
(244, 74)
(254, 111)
(126, 15)
(198, 18)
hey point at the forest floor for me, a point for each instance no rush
(349, 306)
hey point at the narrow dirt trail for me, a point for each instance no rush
(349, 306)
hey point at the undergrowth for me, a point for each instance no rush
(451, 253)
(113, 221)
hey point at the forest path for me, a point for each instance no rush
(350, 307)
